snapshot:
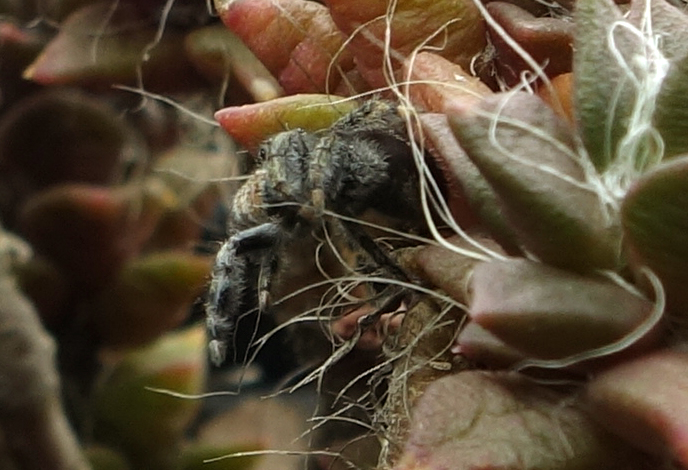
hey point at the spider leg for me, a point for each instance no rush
(378, 255)
(392, 303)
(240, 282)
(261, 237)
(388, 299)
(267, 267)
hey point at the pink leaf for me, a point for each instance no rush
(498, 421)
(295, 39)
(454, 27)
(549, 313)
(646, 402)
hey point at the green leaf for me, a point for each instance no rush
(603, 92)
(151, 295)
(531, 159)
(669, 24)
(654, 216)
(671, 112)
(251, 124)
(148, 426)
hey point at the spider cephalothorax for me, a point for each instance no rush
(360, 165)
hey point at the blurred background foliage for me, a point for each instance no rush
(115, 178)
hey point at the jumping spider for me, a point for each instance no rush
(362, 164)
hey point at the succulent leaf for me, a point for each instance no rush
(252, 123)
(147, 425)
(151, 295)
(656, 227)
(216, 52)
(96, 47)
(646, 402)
(452, 28)
(295, 39)
(547, 40)
(549, 313)
(90, 231)
(604, 95)
(476, 420)
(669, 24)
(531, 159)
(479, 345)
(671, 112)
(436, 81)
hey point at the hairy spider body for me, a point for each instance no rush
(361, 164)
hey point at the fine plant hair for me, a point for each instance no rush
(642, 146)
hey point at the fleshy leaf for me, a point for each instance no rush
(547, 40)
(484, 348)
(549, 313)
(559, 96)
(470, 198)
(47, 288)
(435, 81)
(671, 111)
(454, 27)
(476, 420)
(83, 141)
(603, 92)
(148, 425)
(192, 174)
(98, 47)
(251, 124)
(531, 159)
(215, 52)
(295, 39)
(646, 402)
(449, 270)
(669, 24)
(151, 295)
(656, 228)
(90, 231)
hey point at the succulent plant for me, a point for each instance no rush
(548, 325)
